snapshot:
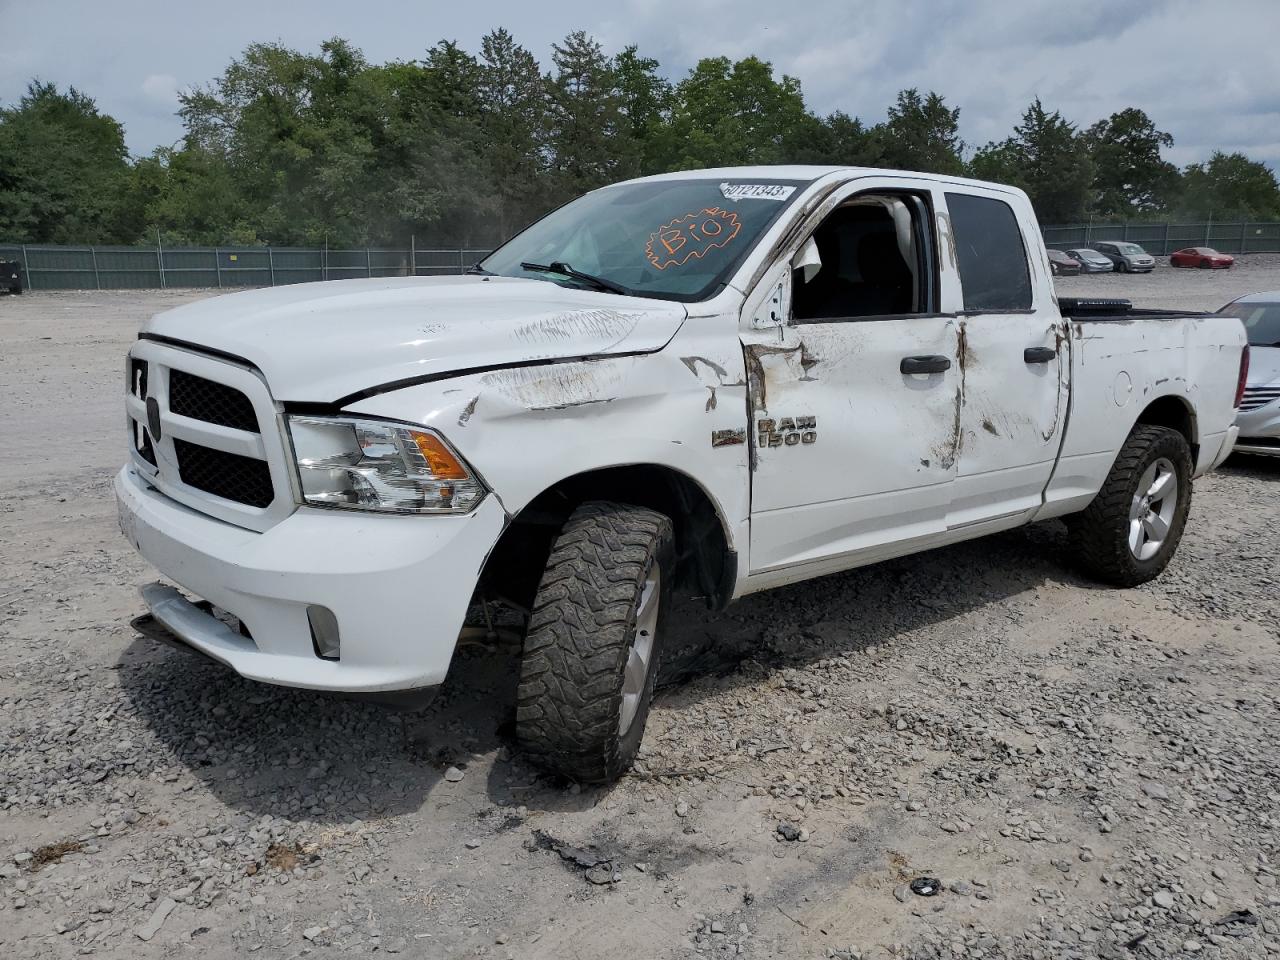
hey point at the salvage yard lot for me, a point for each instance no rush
(1090, 772)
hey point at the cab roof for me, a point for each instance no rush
(810, 173)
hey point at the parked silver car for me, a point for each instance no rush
(1259, 418)
(1128, 257)
(1091, 261)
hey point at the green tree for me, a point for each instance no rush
(64, 173)
(734, 113)
(1132, 178)
(300, 135)
(589, 133)
(922, 133)
(645, 99)
(513, 110)
(1048, 158)
(1230, 186)
(840, 139)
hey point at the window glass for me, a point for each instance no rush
(1261, 321)
(990, 254)
(872, 264)
(668, 239)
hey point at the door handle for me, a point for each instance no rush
(1038, 354)
(934, 364)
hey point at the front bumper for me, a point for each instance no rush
(398, 586)
(1260, 430)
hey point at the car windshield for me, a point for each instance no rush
(670, 239)
(1093, 255)
(1261, 322)
(1130, 249)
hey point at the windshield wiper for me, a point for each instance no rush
(562, 268)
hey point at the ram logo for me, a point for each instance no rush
(789, 431)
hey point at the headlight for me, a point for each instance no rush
(377, 465)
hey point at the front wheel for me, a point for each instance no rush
(1130, 531)
(595, 637)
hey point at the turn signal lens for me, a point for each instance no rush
(444, 465)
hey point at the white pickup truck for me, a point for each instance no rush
(710, 383)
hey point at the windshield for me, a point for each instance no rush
(1092, 255)
(1261, 322)
(1130, 249)
(671, 239)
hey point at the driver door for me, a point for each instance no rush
(854, 388)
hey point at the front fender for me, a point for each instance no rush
(525, 428)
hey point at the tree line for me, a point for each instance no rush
(288, 147)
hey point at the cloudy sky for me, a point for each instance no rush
(1207, 71)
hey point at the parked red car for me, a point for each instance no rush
(1205, 257)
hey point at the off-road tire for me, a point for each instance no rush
(1100, 532)
(580, 633)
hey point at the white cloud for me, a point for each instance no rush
(161, 87)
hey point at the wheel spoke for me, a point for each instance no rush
(1135, 536)
(1156, 526)
(1165, 484)
(635, 672)
(633, 679)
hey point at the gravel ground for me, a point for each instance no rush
(1086, 772)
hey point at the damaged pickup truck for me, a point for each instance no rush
(704, 384)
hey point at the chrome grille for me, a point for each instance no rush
(1257, 397)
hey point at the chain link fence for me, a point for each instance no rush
(225, 268)
(1162, 239)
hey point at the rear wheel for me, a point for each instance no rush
(594, 641)
(1130, 531)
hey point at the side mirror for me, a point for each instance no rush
(807, 260)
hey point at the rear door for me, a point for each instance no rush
(1014, 353)
(854, 391)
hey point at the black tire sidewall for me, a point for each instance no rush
(1123, 568)
(604, 754)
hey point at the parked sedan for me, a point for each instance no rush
(1205, 257)
(1063, 265)
(1259, 417)
(1127, 257)
(1091, 261)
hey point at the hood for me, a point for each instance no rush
(1264, 366)
(319, 342)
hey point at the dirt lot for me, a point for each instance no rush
(1089, 772)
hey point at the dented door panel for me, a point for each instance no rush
(1014, 400)
(848, 451)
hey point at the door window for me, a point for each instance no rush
(876, 261)
(990, 254)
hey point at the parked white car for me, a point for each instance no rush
(1259, 419)
(710, 382)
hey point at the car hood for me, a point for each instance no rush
(321, 342)
(1264, 366)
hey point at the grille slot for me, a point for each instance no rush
(1255, 397)
(227, 475)
(201, 399)
(142, 441)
